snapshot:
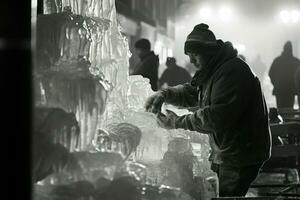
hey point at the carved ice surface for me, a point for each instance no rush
(127, 98)
(108, 54)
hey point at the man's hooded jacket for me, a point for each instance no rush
(230, 108)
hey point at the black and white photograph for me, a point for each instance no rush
(151, 99)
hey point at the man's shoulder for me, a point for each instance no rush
(184, 71)
(278, 58)
(152, 58)
(152, 55)
(297, 60)
(181, 68)
(167, 71)
(234, 69)
(234, 65)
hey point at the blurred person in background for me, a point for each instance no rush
(282, 74)
(149, 62)
(259, 67)
(174, 74)
(230, 108)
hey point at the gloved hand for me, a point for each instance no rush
(167, 121)
(154, 103)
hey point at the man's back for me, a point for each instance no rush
(148, 68)
(174, 76)
(243, 129)
(282, 73)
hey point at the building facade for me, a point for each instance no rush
(151, 19)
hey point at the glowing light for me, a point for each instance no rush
(170, 52)
(289, 16)
(205, 13)
(157, 47)
(225, 13)
(164, 54)
(180, 26)
(295, 16)
(285, 16)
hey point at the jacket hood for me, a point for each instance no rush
(287, 49)
(224, 53)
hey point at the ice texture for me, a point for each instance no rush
(80, 51)
(109, 55)
(121, 96)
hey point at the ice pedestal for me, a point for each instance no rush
(85, 97)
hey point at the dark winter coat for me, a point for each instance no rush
(175, 75)
(282, 74)
(231, 109)
(148, 68)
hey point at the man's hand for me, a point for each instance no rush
(154, 102)
(167, 121)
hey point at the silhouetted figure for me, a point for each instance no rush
(282, 75)
(259, 67)
(149, 63)
(174, 74)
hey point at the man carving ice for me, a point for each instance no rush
(230, 108)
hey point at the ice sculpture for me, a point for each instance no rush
(79, 53)
(102, 50)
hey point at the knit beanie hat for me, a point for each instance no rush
(199, 39)
(143, 44)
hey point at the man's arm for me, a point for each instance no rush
(181, 95)
(229, 100)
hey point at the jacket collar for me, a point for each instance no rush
(224, 53)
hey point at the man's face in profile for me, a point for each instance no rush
(197, 60)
